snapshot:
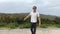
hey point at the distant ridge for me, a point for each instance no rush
(41, 15)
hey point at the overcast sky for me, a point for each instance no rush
(49, 7)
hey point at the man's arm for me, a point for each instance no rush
(26, 17)
(39, 21)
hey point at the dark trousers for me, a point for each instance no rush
(33, 28)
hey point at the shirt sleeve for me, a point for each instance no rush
(38, 14)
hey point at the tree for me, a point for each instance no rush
(57, 20)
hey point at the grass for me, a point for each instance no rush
(12, 25)
(25, 25)
(50, 26)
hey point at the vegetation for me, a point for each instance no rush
(16, 21)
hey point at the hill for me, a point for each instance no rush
(41, 15)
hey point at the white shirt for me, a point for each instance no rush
(34, 16)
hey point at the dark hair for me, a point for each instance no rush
(34, 7)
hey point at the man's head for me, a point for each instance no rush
(34, 8)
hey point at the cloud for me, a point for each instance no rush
(23, 1)
(49, 7)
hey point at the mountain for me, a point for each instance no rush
(41, 15)
(51, 17)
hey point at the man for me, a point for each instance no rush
(34, 16)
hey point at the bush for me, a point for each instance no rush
(12, 25)
(44, 26)
(3, 24)
(58, 25)
(24, 25)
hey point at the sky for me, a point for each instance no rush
(48, 7)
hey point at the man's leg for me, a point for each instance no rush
(34, 29)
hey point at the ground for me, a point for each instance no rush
(27, 31)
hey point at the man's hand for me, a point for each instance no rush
(24, 19)
(39, 24)
(39, 21)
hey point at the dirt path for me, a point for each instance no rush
(27, 31)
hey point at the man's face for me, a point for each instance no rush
(34, 8)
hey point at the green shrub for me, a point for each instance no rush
(12, 25)
(24, 25)
(44, 26)
(3, 24)
(58, 25)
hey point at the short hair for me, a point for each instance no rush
(34, 7)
